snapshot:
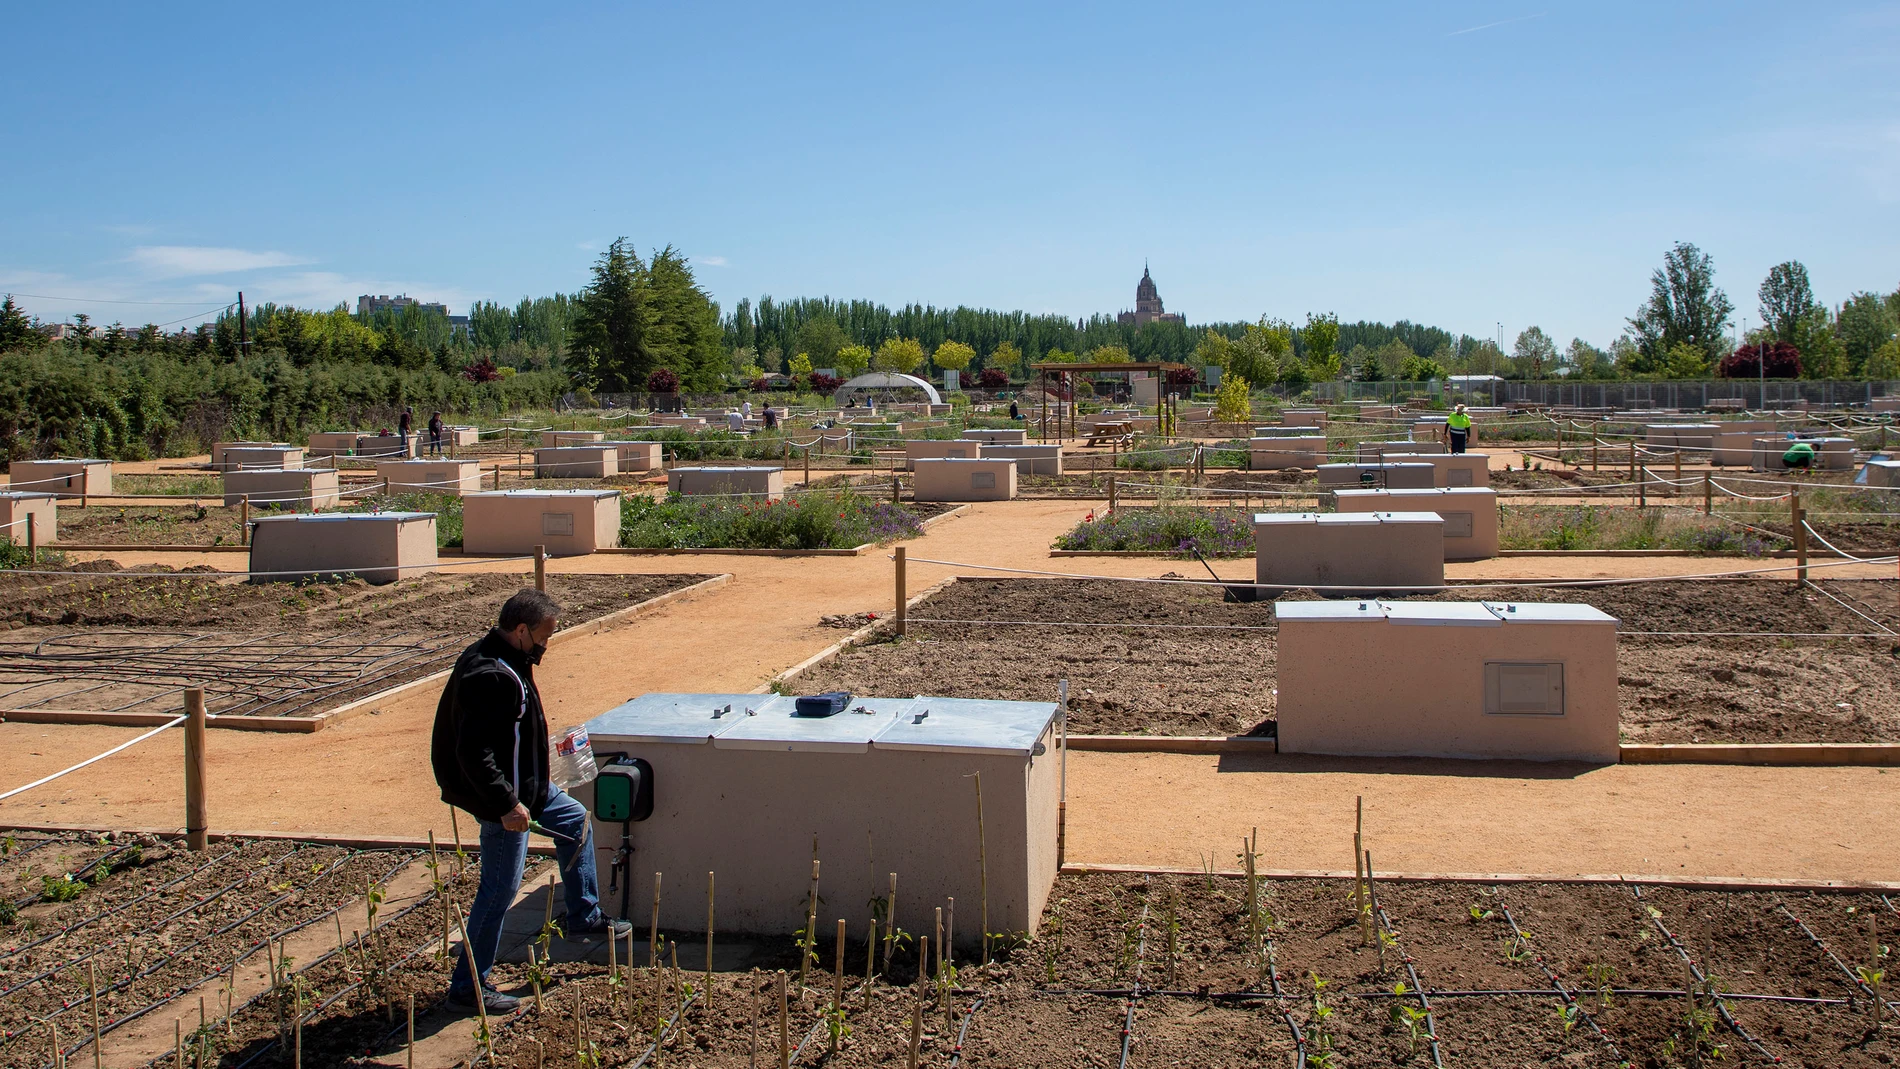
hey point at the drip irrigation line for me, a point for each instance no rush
(1843, 604)
(1511, 992)
(309, 573)
(1279, 995)
(1853, 980)
(1418, 985)
(963, 1031)
(1563, 993)
(82, 874)
(96, 917)
(1721, 1005)
(1275, 627)
(148, 930)
(98, 757)
(1135, 993)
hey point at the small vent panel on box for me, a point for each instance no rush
(1523, 689)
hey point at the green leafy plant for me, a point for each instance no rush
(1479, 914)
(1600, 977)
(1567, 1017)
(1410, 1018)
(1052, 942)
(1319, 1043)
(62, 888)
(8, 912)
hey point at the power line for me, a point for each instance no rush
(97, 300)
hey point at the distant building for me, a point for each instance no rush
(368, 305)
(1148, 307)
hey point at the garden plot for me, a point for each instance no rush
(1144, 658)
(86, 643)
(142, 922)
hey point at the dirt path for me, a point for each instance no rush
(370, 775)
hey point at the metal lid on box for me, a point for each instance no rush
(1548, 612)
(27, 495)
(676, 718)
(776, 728)
(546, 493)
(346, 517)
(731, 468)
(1444, 613)
(968, 725)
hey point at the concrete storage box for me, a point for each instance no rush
(1366, 552)
(960, 449)
(1679, 435)
(1451, 469)
(1030, 459)
(1454, 679)
(1733, 447)
(1831, 454)
(461, 437)
(1883, 472)
(1376, 450)
(636, 456)
(885, 786)
(17, 505)
(551, 439)
(379, 547)
(947, 479)
(291, 488)
(240, 457)
(568, 522)
(438, 476)
(218, 448)
(1429, 430)
(1471, 514)
(62, 478)
(766, 483)
(385, 445)
(1884, 404)
(689, 422)
(1399, 475)
(1005, 436)
(576, 462)
(332, 443)
(1303, 417)
(1272, 454)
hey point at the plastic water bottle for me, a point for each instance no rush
(571, 759)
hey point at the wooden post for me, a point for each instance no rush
(244, 519)
(1358, 871)
(1560, 443)
(1675, 490)
(709, 937)
(808, 467)
(92, 997)
(1632, 460)
(903, 609)
(784, 1027)
(1799, 516)
(412, 1021)
(837, 984)
(541, 568)
(195, 820)
(653, 928)
(1111, 491)
(32, 539)
(1708, 493)
(1593, 454)
(1642, 488)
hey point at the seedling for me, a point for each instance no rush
(1478, 914)
(1600, 977)
(1052, 946)
(62, 888)
(1171, 925)
(1568, 1016)
(1319, 1048)
(1410, 1018)
(1517, 947)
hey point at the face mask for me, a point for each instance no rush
(535, 652)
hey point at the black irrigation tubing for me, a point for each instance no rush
(102, 915)
(425, 900)
(816, 1027)
(956, 1053)
(168, 959)
(1564, 993)
(37, 844)
(1721, 1006)
(1273, 975)
(1516, 992)
(1134, 994)
(215, 973)
(1418, 986)
(1852, 979)
(78, 876)
(148, 929)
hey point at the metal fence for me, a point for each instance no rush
(1688, 393)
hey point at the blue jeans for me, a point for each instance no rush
(503, 854)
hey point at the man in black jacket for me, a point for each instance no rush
(490, 752)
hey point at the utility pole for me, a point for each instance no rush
(244, 342)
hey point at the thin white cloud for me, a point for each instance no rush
(185, 261)
(1500, 22)
(711, 261)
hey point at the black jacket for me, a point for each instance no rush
(490, 746)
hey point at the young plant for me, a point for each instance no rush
(1052, 945)
(1478, 914)
(62, 888)
(1567, 1018)
(1410, 1018)
(1319, 1047)
(1600, 977)
(1517, 947)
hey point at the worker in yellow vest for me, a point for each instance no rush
(1458, 429)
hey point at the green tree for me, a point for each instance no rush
(16, 330)
(899, 355)
(612, 318)
(1294, 376)
(1214, 350)
(852, 360)
(1060, 356)
(683, 332)
(821, 337)
(1884, 364)
(1006, 356)
(1231, 402)
(799, 368)
(953, 356)
(1685, 361)
(1786, 300)
(1392, 358)
(1320, 337)
(1864, 324)
(1360, 363)
(1420, 369)
(1262, 349)
(1586, 360)
(1684, 308)
(1534, 353)
(1109, 354)
(1822, 354)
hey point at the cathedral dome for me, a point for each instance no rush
(1145, 289)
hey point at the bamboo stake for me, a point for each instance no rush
(916, 1032)
(653, 927)
(837, 988)
(1358, 873)
(982, 869)
(92, 997)
(455, 829)
(924, 962)
(481, 1000)
(178, 1042)
(752, 1032)
(412, 1031)
(709, 938)
(784, 1025)
(811, 925)
(949, 949)
(1372, 897)
(613, 958)
(59, 1053)
(296, 1029)
(534, 975)
(580, 1024)
(890, 923)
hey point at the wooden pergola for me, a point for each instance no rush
(1159, 368)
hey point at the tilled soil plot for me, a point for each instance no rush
(1177, 660)
(149, 525)
(152, 920)
(78, 641)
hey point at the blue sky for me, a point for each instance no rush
(1462, 164)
